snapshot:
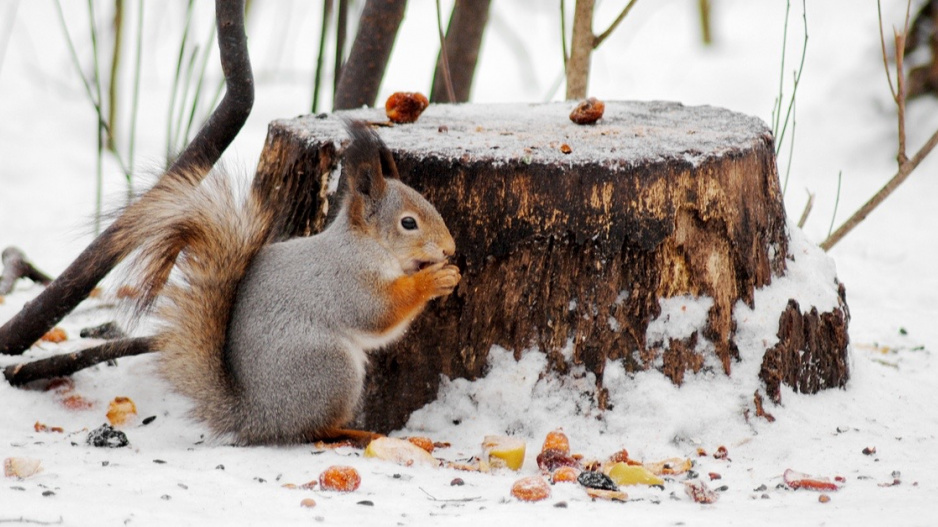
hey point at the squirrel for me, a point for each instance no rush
(270, 339)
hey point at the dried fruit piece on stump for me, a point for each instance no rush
(823, 498)
(502, 451)
(55, 335)
(556, 440)
(531, 488)
(721, 453)
(699, 491)
(588, 111)
(309, 503)
(565, 148)
(405, 107)
(625, 474)
(596, 480)
(121, 410)
(399, 451)
(20, 467)
(564, 474)
(797, 480)
(340, 478)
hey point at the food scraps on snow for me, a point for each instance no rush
(798, 480)
(340, 478)
(21, 467)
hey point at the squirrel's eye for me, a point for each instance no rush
(409, 223)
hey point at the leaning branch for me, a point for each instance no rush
(462, 42)
(94, 263)
(69, 363)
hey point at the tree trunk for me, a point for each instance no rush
(362, 73)
(463, 39)
(571, 253)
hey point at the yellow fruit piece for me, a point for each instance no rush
(399, 451)
(625, 474)
(503, 451)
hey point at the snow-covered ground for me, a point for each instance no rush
(845, 123)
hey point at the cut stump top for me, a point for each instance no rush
(629, 133)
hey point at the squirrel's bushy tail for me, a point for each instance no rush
(209, 236)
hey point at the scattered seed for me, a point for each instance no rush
(367, 503)
(457, 482)
(149, 420)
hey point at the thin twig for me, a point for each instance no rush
(797, 81)
(115, 67)
(883, 193)
(807, 210)
(454, 500)
(836, 202)
(882, 41)
(777, 111)
(605, 34)
(320, 55)
(447, 79)
(135, 104)
(22, 519)
(180, 59)
(563, 33)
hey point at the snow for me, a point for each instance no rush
(629, 132)
(845, 122)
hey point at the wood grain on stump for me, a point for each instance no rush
(568, 236)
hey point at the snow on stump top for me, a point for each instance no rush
(643, 238)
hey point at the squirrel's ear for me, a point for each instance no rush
(388, 166)
(364, 166)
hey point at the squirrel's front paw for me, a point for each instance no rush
(445, 278)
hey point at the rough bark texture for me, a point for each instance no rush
(568, 253)
(811, 353)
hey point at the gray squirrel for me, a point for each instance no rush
(270, 340)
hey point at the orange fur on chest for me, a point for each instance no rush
(408, 295)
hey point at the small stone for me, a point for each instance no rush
(105, 436)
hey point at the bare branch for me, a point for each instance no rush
(69, 363)
(881, 196)
(882, 41)
(605, 34)
(78, 280)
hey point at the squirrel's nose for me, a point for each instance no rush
(448, 246)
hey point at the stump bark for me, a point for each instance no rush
(569, 236)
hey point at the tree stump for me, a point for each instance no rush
(571, 238)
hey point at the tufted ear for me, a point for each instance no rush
(364, 160)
